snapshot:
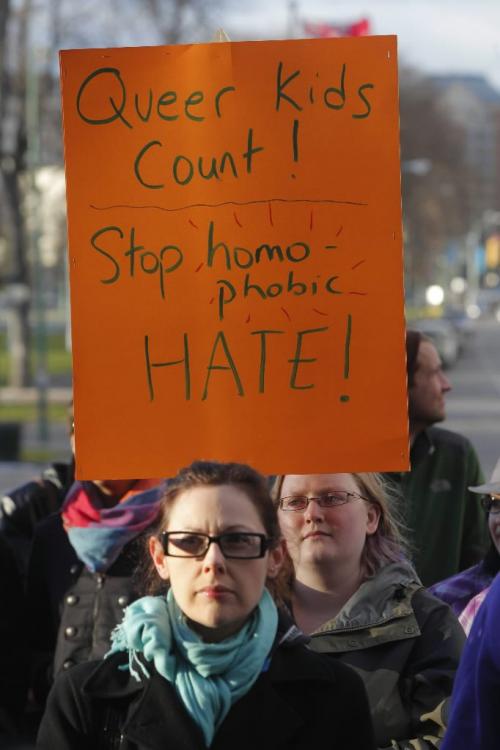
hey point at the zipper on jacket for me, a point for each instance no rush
(99, 583)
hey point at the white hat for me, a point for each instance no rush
(491, 487)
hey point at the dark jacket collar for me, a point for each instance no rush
(422, 447)
(160, 720)
(111, 677)
(157, 718)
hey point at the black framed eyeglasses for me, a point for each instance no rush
(299, 503)
(237, 545)
(491, 504)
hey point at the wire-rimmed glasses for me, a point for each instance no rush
(299, 503)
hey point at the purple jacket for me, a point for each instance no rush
(475, 719)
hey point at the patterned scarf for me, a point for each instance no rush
(208, 677)
(98, 534)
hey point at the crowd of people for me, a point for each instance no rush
(221, 608)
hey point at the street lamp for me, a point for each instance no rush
(458, 285)
(434, 295)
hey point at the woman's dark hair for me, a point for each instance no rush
(491, 562)
(208, 474)
(414, 339)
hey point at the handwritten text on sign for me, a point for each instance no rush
(235, 256)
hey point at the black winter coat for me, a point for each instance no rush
(12, 637)
(74, 610)
(303, 702)
(22, 508)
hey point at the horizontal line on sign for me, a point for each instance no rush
(232, 203)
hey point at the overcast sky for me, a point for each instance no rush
(443, 36)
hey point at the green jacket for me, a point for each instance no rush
(405, 644)
(448, 529)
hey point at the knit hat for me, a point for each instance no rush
(413, 341)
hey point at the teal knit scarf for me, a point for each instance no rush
(208, 677)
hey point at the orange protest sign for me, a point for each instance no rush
(236, 256)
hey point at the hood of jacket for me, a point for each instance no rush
(379, 611)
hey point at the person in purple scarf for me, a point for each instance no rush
(460, 589)
(474, 722)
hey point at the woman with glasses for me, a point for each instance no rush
(205, 660)
(352, 589)
(465, 591)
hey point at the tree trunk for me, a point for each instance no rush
(18, 331)
(12, 157)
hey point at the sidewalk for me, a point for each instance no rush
(54, 448)
(57, 443)
(58, 395)
(14, 474)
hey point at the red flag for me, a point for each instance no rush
(327, 30)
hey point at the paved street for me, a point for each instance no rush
(13, 474)
(474, 403)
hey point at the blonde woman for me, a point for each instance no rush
(353, 591)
